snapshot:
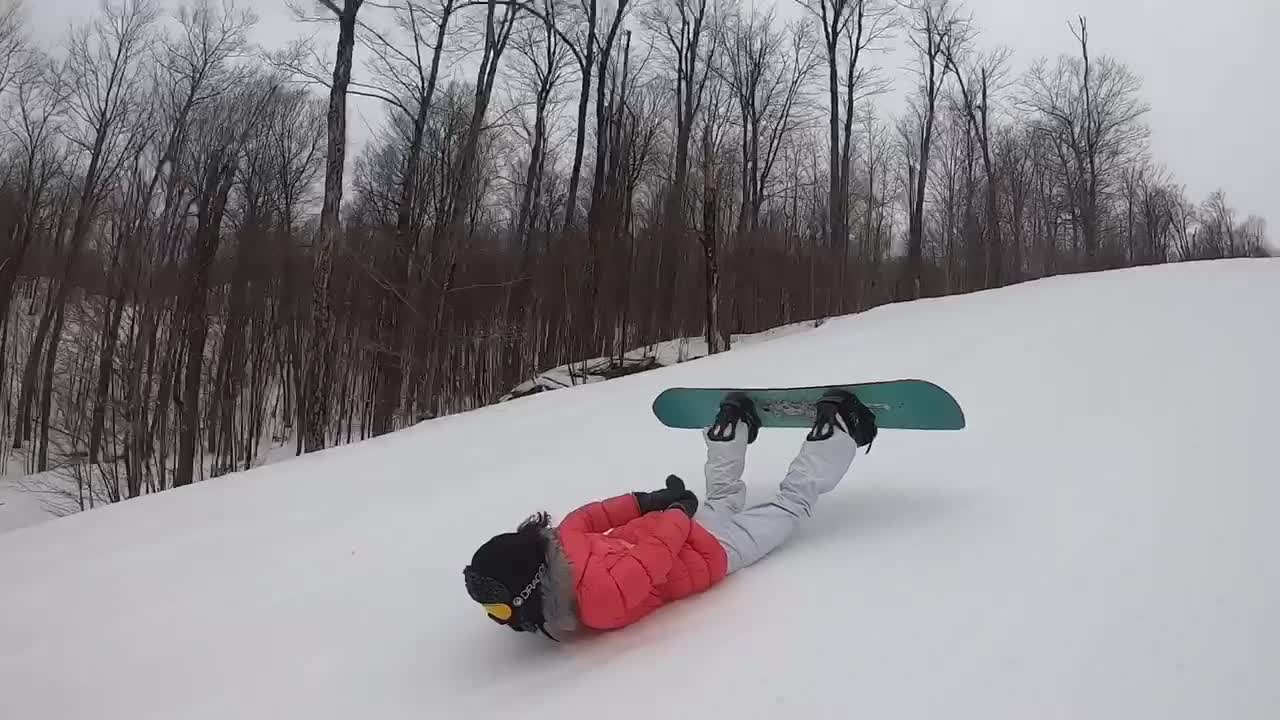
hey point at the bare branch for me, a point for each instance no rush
(13, 40)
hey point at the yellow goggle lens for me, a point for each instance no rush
(502, 611)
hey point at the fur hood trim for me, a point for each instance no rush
(559, 604)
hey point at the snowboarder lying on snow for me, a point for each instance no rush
(610, 563)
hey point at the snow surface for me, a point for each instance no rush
(29, 499)
(1098, 543)
(19, 507)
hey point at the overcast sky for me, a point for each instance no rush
(1209, 72)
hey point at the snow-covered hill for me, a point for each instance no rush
(19, 507)
(1098, 543)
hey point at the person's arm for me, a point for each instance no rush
(601, 516)
(615, 587)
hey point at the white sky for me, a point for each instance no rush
(1209, 72)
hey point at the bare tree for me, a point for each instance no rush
(715, 169)
(1218, 226)
(413, 78)
(497, 33)
(405, 64)
(850, 30)
(1156, 194)
(254, 356)
(877, 168)
(220, 134)
(685, 30)
(13, 41)
(105, 81)
(297, 139)
(584, 49)
(1253, 237)
(1015, 165)
(931, 22)
(978, 79)
(1092, 109)
(766, 66)
(40, 95)
(684, 27)
(541, 60)
(319, 345)
(597, 61)
(192, 68)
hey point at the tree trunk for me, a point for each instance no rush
(995, 243)
(389, 368)
(217, 186)
(715, 337)
(915, 233)
(136, 414)
(106, 364)
(586, 64)
(46, 391)
(12, 265)
(835, 225)
(231, 362)
(319, 346)
(30, 371)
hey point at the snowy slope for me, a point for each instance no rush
(1099, 543)
(19, 507)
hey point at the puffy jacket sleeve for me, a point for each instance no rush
(599, 517)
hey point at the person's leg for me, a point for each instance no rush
(726, 461)
(750, 535)
(734, 427)
(823, 460)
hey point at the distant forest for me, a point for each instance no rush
(192, 275)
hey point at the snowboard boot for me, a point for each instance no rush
(841, 409)
(735, 408)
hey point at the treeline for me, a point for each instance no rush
(193, 275)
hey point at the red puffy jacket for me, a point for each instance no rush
(641, 564)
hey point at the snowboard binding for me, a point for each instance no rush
(734, 408)
(842, 409)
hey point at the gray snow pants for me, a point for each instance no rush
(749, 534)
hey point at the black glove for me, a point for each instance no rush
(658, 500)
(688, 502)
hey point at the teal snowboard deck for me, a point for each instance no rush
(906, 404)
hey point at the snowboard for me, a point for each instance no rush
(906, 404)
